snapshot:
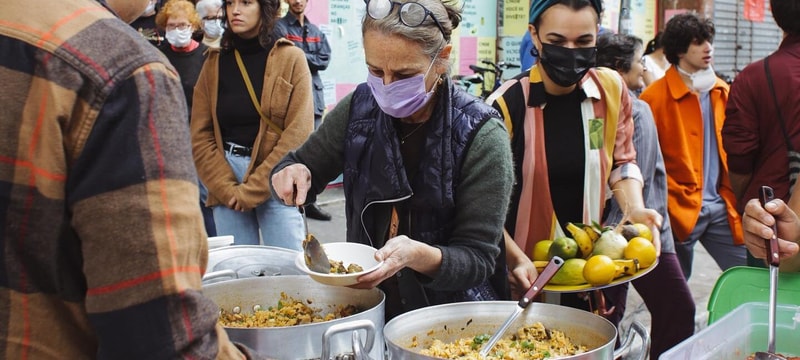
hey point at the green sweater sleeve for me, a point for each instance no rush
(482, 198)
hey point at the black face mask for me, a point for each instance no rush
(567, 66)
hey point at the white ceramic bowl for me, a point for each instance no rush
(348, 253)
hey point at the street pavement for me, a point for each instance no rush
(704, 271)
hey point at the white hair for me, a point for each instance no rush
(204, 6)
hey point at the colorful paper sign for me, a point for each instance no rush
(754, 10)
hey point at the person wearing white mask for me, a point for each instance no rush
(210, 12)
(688, 105)
(180, 20)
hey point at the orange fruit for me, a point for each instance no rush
(642, 249)
(599, 270)
(540, 250)
(644, 231)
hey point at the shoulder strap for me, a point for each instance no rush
(250, 90)
(777, 107)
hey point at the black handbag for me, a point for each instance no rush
(794, 156)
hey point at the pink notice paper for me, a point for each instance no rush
(318, 12)
(468, 51)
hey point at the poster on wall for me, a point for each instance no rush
(643, 13)
(513, 27)
(340, 20)
(610, 17)
(754, 10)
(515, 17)
(477, 34)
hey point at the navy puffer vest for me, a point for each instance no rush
(374, 178)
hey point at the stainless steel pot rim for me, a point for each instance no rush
(448, 322)
(238, 256)
(250, 248)
(301, 326)
(298, 278)
(508, 303)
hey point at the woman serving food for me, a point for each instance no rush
(427, 167)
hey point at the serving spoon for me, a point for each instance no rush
(773, 258)
(313, 253)
(541, 280)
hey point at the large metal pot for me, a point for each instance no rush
(304, 341)
(245, 261)
(450, 322)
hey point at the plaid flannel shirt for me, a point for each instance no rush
(102, 245)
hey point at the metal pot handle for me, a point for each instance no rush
(365, 325)
(221, 274)
(358, 349)
(639, 329)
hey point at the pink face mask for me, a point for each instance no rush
(403, 97)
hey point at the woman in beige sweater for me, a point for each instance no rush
(235, 144)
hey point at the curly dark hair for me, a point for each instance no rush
(684, 30)
(786, 14)
(269, 15)
(616, 51)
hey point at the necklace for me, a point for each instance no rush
(406, 136)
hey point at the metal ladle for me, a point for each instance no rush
(313, 253)
(542, 280)
(773, 258)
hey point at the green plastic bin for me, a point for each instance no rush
(743, 284)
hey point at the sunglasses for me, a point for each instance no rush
(411, 14)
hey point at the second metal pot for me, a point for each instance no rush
(304, 341)
(451, 322)
(246, 261)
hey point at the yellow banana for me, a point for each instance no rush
(540, 265)
(582, 238)
(626, 267)
(593, 234)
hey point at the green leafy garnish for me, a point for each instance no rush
(480, 339)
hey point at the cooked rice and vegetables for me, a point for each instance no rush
(287, 312)
(529, 342)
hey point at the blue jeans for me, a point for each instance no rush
(208, 213)
(280, 225)
(714, 232)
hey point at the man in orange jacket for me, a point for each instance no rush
(688, 105)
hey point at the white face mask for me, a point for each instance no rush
(702, 80)
(212, 28)
(179, 38)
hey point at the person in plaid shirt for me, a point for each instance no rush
(102, 246)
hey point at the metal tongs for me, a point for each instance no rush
(773, 258)
(542, 280)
